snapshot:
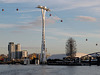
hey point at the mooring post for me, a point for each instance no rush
(89, 61)
(98, 61)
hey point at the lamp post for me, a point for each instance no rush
(43, 50)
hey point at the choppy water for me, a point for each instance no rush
(48, 70)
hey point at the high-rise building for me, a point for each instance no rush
(18, 47)
(18, 51)
(11, 50)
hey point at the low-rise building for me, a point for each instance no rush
(24, 53)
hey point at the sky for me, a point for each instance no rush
(81, 21)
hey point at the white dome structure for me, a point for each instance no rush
(61, 56)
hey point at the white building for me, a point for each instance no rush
(61, 56)
(24, 53)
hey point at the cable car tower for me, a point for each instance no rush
(43, 49)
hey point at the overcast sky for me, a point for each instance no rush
(81, 20)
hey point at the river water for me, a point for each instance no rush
(48, 70)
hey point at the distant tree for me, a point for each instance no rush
(71, 47)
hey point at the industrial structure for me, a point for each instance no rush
(43, 50)
(71, 48)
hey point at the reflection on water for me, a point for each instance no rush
(48, 70)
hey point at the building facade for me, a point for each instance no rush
(11, 51)
(24, 53)
(18, 51)
(14, 51)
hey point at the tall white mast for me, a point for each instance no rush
(43, 50)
